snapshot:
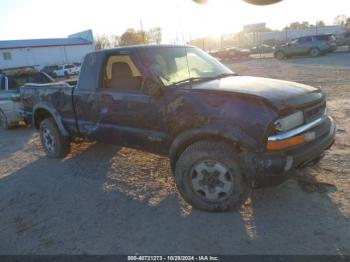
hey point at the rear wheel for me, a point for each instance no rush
(54, 143)
(3, 121)
(314, 52)
(209, 177)
(280, 55)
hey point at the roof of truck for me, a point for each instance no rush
(133, 47)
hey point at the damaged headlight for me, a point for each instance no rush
(289, 122)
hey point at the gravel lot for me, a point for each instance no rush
(103, 199)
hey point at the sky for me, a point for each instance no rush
(30, 19)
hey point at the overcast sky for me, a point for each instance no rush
(25, 19)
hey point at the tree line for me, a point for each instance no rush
(129, 37)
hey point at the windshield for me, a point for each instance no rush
(172, 66)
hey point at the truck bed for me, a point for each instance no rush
(57, 94)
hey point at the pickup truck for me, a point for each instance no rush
(221, 131)
(66, 70)
(10, 81)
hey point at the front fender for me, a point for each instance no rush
(214, 131)
(55, 115)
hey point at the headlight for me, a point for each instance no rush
(286, 123)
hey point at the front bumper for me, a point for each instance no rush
(280, 162)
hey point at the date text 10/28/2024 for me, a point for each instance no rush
(173, 258)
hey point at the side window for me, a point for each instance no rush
(304, 40)
(120, 73)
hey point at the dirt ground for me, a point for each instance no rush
(102, 199)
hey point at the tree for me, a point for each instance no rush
(341, 20)
(101, 42)
(132, 37)
(320, 23)
(154, 35)
(299, 26)
(105, 41)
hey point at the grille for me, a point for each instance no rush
(314, 112)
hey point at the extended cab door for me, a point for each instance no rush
(119, 111)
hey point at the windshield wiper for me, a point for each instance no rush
(196, 79)
(192, 79)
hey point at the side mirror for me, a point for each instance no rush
(152, 87)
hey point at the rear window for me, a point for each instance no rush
(325, 37)
(69, 66)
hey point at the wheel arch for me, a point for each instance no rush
(238, 139)
(42, 111)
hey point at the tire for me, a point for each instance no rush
(4, 125)
(208, 176)
(280, 55)
(314, 52)
(54, 143)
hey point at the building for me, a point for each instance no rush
(41, 52)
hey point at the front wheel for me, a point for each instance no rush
(209, 177)
(314, 52)
(54, 143)
(280, 55)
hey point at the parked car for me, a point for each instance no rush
(222, 132)
(49, 69)
(262, 49)
(307, 45)
(231, 53)
(66, 70)
(10, 81)
(344, 40)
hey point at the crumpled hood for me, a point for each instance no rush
(282, 94)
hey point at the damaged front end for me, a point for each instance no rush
(293, 149)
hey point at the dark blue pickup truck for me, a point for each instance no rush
(222, 132)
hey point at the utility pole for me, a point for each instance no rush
(143, 33)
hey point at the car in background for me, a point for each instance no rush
(344, 40)
(231, 53)
(262, 49)
(307, 45)
(66, 70)
(49, 69)
(10, 81)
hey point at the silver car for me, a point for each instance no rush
(10, 81)
(307, 45)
